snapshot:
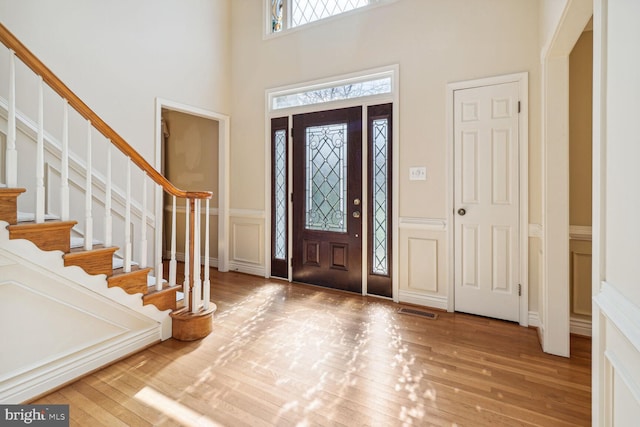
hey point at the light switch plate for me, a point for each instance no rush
(418, 173)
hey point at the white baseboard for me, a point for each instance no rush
(534, 319)
(580, 327)
(576, 326)
(213, 262)
(434, 301)
(44, 378)
(243, 267)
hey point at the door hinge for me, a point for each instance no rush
(519, 290)
(291, 261)
(292, 129)
(291, 197)
(518, 107)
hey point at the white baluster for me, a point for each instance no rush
(197, 283)
(108, 219)
(88, 194)
(127, 221)
(143, 227)
(64, 172)
(159, 193)
(186, 253)
(173, 264)
(40, 155)
(11, 162)
(206, 286)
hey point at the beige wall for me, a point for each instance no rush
(119, 56)
(434, 43)
(580, 129)
(580, 171)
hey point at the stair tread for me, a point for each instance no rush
(78, 242)
(165, 288)
(134, 269)
(30, 216)
(95, 249)
(49, 223)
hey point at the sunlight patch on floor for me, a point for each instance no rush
(174, 410)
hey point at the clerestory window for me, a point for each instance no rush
(287, 14)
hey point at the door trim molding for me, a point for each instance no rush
(522, 79)
(223, 172)
(394, 98)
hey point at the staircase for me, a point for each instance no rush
(55, 235)
(70, 304)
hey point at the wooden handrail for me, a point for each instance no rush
(31, 61)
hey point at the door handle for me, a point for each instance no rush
(356, 214)
(462, 212)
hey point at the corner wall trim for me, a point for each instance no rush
(580, 232)
(423, 223)
(535, 230)
(620, 311)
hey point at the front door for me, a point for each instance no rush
(486, 201)
(327, 195)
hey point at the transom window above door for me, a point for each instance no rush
(287, 14)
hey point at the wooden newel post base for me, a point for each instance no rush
(189, 326)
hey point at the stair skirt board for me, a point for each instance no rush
(51, 265)
(59, 323)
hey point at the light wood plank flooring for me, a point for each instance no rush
(286, 354)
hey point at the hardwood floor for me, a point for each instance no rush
(286, 354)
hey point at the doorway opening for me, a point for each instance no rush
(192, 152)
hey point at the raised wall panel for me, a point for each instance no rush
(470, 261)
(580, 284)
(501, 166)
(501, 255)
(423, 264)
(469, 167)
(244, 247)
(500, 108)
(623, 359)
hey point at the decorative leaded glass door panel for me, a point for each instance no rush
(327, 194)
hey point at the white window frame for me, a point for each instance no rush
(286, 19)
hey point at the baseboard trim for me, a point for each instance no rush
(434, 301)
(41, 380)
(580, 327)
(213, 262)
(243, 267)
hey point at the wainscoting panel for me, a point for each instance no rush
(423, 262)
(580, 279)
(423, 265)
(247, 244)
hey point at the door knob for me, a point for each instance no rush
(356, 214)
(356, 202)
(461, 212)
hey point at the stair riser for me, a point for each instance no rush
(164, 300)
(53, 236)
(132, 283)
(9, 204)
(93, 262)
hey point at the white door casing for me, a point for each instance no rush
(486, 217)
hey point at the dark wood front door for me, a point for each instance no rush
(327, 195)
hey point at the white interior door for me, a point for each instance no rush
(486, 201)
